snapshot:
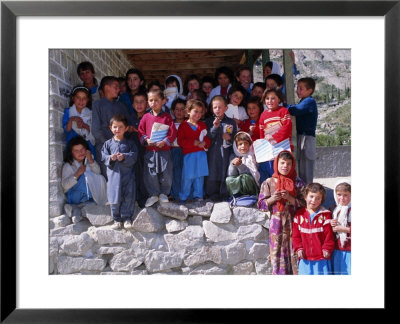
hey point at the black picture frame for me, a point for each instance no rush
(10, 10)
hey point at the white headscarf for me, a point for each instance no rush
(340, 213)
(248, 159)
(86, 115)
(275, 68)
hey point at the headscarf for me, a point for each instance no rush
(248, 159)
(285, 182)
(341, 213)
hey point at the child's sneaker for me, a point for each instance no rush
(116, 225)
(127, 224)
(151, 201)
(163, 198)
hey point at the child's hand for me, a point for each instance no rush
(196, 142)
(81, 170)
(326, 254)
(237, 121)
(149, 143)
(160, 144)
(300, 254)
(340, 228)
(334, 222)
(276, 196)
(216, 122)
(202, 144)
(226, 136)
(89, 156)
(270, 139)
(237, 161)
(120, 156)
(113, 157)
(251, 129)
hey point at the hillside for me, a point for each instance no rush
(331, 68)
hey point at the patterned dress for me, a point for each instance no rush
(282, 255)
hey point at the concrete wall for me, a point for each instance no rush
(333, 161)
(62, 78)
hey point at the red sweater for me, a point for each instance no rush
(146, 123)
(187, 136)
(315, 236)
(245, 127)
(276, 123)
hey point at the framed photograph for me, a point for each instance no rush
(28, 293)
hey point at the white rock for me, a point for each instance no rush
(156, 261)
(253, 232)
(204, 254)
(97, 215)
(221, 213)
(53, 247)
(205, 269)
(234, 253)
(200, 208)
(219, 233)
(68, 265)
(259, 251)
(111, 249)
(151, 241)
(61, 221)
(125, 261)
(245, 215)
(176, 211)
(243, 268)
(149, 220)
(106, 235)
(263, 267)
(174, 225)
(195, 220)
(73, 229)
(77, 245)
(189, 239)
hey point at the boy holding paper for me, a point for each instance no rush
(157, 132)
(275, 126)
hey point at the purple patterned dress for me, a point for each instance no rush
(283, 258)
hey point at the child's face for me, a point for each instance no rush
(193, 85)
(79, 152)
(122, 87)
(219, 108)
(86, 76)
(155, 102)
(80, 100)
(134, 81)
(154, 87)
(243, 146)
(253, 110)
(207, 87)
(272, 101)
(285, 166)
(271, 84)
(179, 111)
(236, 98)
(139, 104)
(118, 129)
(343, 197)
(245, 78)
(267, 71)
(195, 114)
(257, 91)
(111, 91)
(223, 80)
(302, 91)
(313, 200)
(172, 84)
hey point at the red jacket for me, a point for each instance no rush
(146, 123)
(187, 136)
(276, 123)
(315, 236)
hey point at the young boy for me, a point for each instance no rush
(119, 154)
(341, 226)
(258, 89)
(313, 239)
(244, 77)
(86, 73)
(157, 159)
(306, 113)
(243, 176)
(102, 112)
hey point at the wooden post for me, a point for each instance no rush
(250, 58)
(265, 57)
(289, 89)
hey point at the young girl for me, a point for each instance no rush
(78, 191)
(250, 125)
(225, 77)
(119, 155)
(157, 159)
(221, 131)
(192, 83)
(275, 126)
(173, 89)
(313, 238)
(341, 226)
(236, 95)
(207, 84)
(193, 141)
(281, 195)
(77, 119)
(179, 110)
(136, 83)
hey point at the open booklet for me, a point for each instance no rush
(158, 132)
(265, 151)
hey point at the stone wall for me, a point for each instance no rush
(62, 78)
(333, 161)
(199, 238)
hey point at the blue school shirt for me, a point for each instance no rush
(306, 113)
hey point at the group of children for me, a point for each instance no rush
(194, 141)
